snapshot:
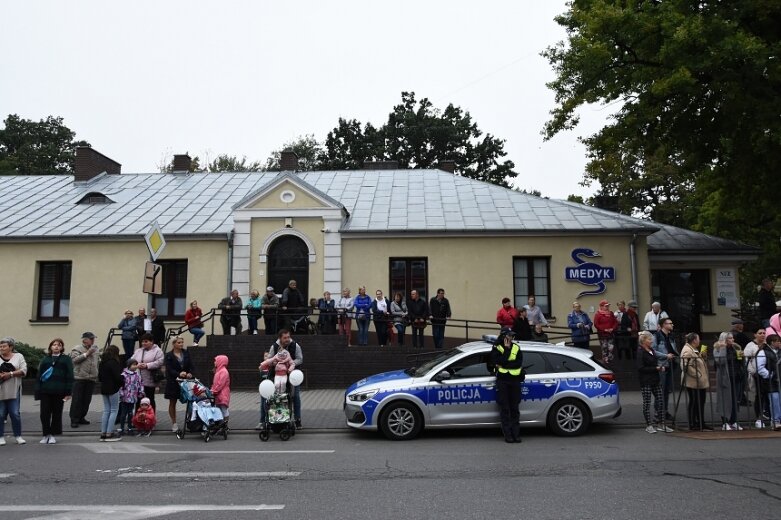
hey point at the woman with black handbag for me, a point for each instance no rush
(52, 388)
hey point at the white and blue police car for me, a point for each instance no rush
(565, 390)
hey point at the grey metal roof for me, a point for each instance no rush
(675, 240)
(202, 204)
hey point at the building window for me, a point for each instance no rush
(531, 277)
(54, 291)
(407, 274)
(171, 304)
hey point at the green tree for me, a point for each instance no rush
(231, 163)
(306, 147)
(418, 135)
(33, 148)
(696, 137)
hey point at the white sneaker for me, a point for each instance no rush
(650, 429)
(759, 424)
(736, 427)
(20, 440)
(2, 441)
(52, 440)
(664, 428)
(726, 427)
(44, 439)
(174, 427)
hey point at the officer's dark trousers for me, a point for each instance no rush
(508, 396)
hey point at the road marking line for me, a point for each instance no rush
(124, 512)
(7, 475)
(118, 448)
(213, 474)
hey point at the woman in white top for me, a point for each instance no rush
(13, 368)
(344, 306)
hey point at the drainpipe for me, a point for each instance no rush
(633, 266)
(230, 262)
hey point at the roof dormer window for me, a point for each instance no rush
(94, 197)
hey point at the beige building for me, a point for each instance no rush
(73, 253)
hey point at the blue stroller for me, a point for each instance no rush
(201, 416)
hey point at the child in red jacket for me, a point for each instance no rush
(144, 420)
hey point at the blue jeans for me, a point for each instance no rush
(126, 415)
(252, 323)
(438, 332)
(775, 407)
(197, 334)
(363, 332)
(128, 345)
(400, 328)
(110, 409)
(11, 407)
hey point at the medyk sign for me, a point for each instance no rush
(589, 273)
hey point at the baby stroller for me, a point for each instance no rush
(279, 415)
(201, 416)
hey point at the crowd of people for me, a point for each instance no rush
(127, 384)
(127, 392)
(390, 317)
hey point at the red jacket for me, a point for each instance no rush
(193, 318)
(604, 321)
(507, 317)
(144, 419)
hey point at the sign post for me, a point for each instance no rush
(153, 273)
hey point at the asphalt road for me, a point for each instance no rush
(609, 473)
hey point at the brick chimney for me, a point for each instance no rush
(182, 163)
(447, 166)
(380, 165)
(288, 160)
(90, 163)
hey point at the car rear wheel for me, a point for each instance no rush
(401, 421)
(569, 417)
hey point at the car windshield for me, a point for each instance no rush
(431, 363)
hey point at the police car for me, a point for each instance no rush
(565, 390)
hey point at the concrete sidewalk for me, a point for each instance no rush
(321, 410)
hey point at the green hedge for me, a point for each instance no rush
(33, 356)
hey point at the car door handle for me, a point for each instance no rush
(489, 386)
(548, 381)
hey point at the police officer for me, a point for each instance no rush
(507, 359)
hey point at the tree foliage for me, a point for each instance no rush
(696, 138)
(28, 147)
(306, 147)
(231, 163)
(418, 135)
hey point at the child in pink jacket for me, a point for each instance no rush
(221, 385)
(283, 364)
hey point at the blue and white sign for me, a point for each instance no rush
(589, 273)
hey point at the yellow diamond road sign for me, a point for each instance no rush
(155, 241)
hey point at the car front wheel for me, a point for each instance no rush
(401, 421)
(569, 417)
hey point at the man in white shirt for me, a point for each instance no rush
(652, 317)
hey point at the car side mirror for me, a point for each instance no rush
(442, 376)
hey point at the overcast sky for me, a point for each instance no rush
(146, 79)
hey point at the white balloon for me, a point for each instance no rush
(266, 388)
(296, 377)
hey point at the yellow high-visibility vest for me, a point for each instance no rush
(513, 355)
